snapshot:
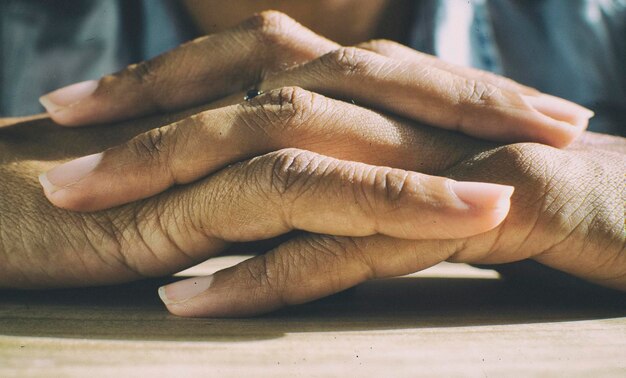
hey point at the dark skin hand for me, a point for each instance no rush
(293, 159)
(567, 212)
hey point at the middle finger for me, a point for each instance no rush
(197, 146)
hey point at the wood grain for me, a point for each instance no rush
(451, 320)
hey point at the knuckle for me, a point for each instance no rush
(144, 73)
(476, 93)
(334, 247)
(151, 145)
(339, 252)
(285, 108)
(292, 171)
(258, 273)
(347, 60)
(298, 102)
(385, 188)
(395, 184)
(112, 233)
(267, 277)
(146, 237)
(146, 77)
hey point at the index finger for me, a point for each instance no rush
(199, 71)
(301, 270)
(426, 92)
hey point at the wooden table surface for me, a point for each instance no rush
(451, 320)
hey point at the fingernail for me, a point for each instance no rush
(69, 173)
(67, 96)
(483, 195)
(184, 290)
(559, 109)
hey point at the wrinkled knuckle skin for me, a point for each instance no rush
(559, 197)
(333, 252)
(257, 273)
(274, 276)
(578, 201)
(347, 60)
(395, 185)
(292, 171)
(281, 110)
(109, 233)
(476, 93)
(385, 190)
(137, 238)
(146, 81)
(144, 73)
(152, 145)
(265, 277)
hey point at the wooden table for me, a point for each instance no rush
(450, 320)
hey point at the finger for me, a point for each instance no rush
(555, 107)
(197, 146)
(299, 271)
(296, 189)
(430, 94)
(397, 51)
(293, 189)
(200, 71)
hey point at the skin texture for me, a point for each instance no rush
(271, 50)
(567, 212)
(308, 170)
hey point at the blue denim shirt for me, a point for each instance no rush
(47, 44)
(575, 49)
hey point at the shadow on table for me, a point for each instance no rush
(133, 312)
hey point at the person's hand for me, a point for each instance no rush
(271, 51)
(270, 195)
(567, 212)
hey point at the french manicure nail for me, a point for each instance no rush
(68, 96)
(559, 109)
(482, 195)
(184, 290)
(69, 173)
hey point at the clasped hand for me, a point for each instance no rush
(335, 147)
